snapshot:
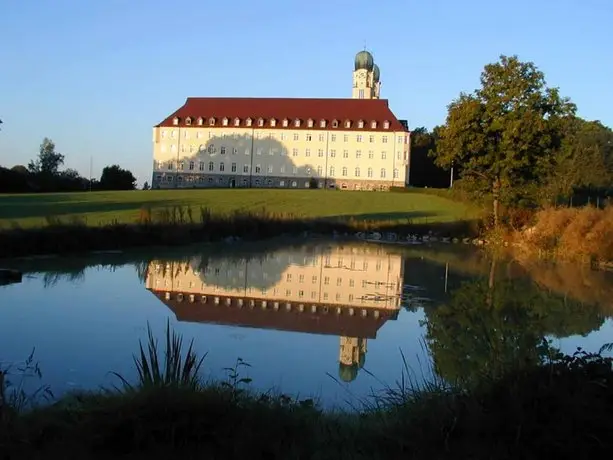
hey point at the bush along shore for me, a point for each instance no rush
(178, 226)
(560, 409)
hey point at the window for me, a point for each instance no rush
(332, 170)
(307, 152)
(282, 169)
(269, 169)
(282, 136)
(333, 138)
(310, 123)
(258, 169)
(395, 174)
(233, 168)
(200, 121)
(273, 122)
(322, 124)
(260, 122)
(211, 166)
(384, 139)
(344, 170)
(224, 122)
(222, 167)
(360, 124)
(371, 154)
(373, 124)
(295, 137)
(335, 123)
(332, 153)
(296, 122)
(383, 155)
(357, 172)
(321, 138)
(173, 133)
(295, 170)
(295, 152)
(259, 151)
(359, 138)
(361, 94)
(306, 185)
(223, 150)
(245, 168)
(248, 121)
(358, 154)
(188, 121)
(309, 138)
(345, 153)
(369, 172)
(386, 125)
(237, 122)
(382, 173)
(294, 183)
(319, 170)
(399, 139)
(282, 183)
(320, 153)
(175, 121)
(163, 134)
(181, 165)
(371, 138)
(169, 178)
(285, 122)
(201, 165)
(191, 165)
(234, 151)
(308, 170)
(347, 124)
(171, 165)
(345, 138)
(211, 121)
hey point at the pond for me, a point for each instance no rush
(332, 320)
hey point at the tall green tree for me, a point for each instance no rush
(505, 134)
(423, 171)
(115, 178)
(48, 161)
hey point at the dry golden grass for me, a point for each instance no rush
(571, 234)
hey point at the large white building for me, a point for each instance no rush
(353, 143)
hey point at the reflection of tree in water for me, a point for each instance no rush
(352, 358)
(490, 328)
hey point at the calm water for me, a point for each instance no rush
(316, 319)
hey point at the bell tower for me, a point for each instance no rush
(366, 77)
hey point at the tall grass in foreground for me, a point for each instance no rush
(175, 369)
(571, 233)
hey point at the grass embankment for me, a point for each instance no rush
(577, 234)
(558, 410)
(55, 223)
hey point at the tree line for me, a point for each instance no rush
(43, 175)
(515, 141)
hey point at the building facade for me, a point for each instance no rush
(355, 143)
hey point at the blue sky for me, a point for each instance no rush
(96, 76)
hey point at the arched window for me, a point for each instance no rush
(382, 173)
(344, 170)
(357, 172)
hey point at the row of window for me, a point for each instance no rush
(270, 169)
(309, 137)
(212, 150)
(273, 122)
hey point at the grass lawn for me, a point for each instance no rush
(100, 208)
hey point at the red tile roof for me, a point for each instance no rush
(243, 108)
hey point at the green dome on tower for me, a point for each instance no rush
(364, 60)
(376, 73)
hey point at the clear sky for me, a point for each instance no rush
(95, 76)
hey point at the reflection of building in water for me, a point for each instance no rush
(345, 291)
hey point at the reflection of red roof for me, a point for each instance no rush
(367, 110)
(329, 323)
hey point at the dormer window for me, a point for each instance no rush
(224, 122)
(386, 124)
(237, 122)
(200, 121)
(297, 122)
(310, 123)
(360, 124)
(285, 122)
(373, 124)
(211, 121)
(260, 122)
(347, 124)
(175, 121)
(248, 121)
(188, 121)
(273, 122)
(322, 124)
